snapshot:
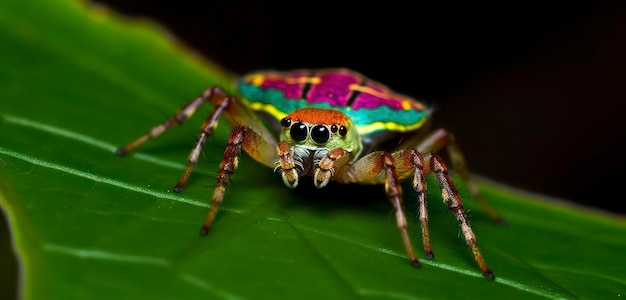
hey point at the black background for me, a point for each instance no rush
(533, 92)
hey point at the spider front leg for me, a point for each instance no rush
(222, 102)
(256, 146)
(325, 167)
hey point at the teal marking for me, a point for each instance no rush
(361, 117)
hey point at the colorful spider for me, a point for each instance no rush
(331, 125)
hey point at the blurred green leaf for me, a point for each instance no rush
(75, 83)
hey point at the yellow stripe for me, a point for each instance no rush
(268, 108)
(366, 129)
(368, 90)
(406, 103)
(256, 79)
(362, 129)
(312, 80)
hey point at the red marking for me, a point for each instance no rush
(319, 116)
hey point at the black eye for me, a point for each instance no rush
(298, 132)
(343, 130)
(285, 122)
(320, 134)
(333, 128)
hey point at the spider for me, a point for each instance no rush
(330, 126)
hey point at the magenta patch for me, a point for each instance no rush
(334, 87)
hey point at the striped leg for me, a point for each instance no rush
(419, 186)
(287, 165)
(394, 193)
(380, 167)
(444, 139)
(215, 95)
(206, 131)
(257, 147)
(455, 205)
(325, 168)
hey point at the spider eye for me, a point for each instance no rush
(285, 122)
(333, 128)
(343, 130)
(320, 134)
(298, 131)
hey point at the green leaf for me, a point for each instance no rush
(76, 83)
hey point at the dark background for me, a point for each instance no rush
(533, 92)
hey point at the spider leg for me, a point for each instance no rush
(382, 167)
(375, 168)
(412, 161)
(287, 165)
(325, 169)
(455, 205)
(256, 146)
(224, 104)
(206, 131)
(213, 94)
(441, 138)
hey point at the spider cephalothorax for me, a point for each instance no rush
(311, 133)
(328, 123)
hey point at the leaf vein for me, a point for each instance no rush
(508, 282)
(102, 179)
(86, 140)
(104, 255)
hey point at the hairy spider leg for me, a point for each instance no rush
(441, 138)
(259, 145)
(213, 94)
(256, 146)
(383, 167)
(224, 104)
(325, 169)
(455, 205)
(419, 186)
(287, 165)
